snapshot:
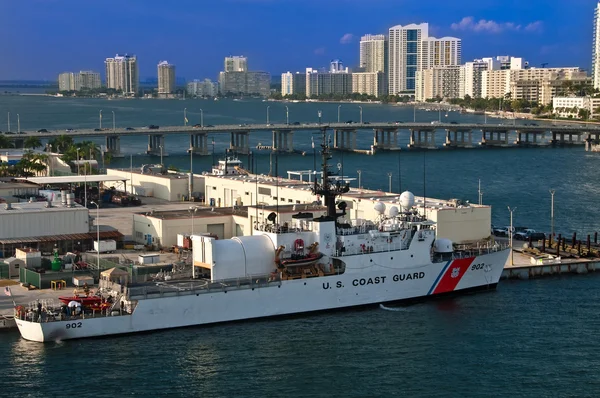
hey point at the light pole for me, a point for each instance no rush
(414, 113)
(359, 181)
(161, 155)
(319, 113)
(100, 118)
(201, 118)
(439, 112)
(552, 191)
(390, 180)
(192, 211)
(185, 116)
(287, 115)
(511, 234)
(18, 124)
(268, 115)
(98, 235)
(360, 114)
(113, 113)
(339, 111)
(480, 193)
(77, 153)
(213, 150)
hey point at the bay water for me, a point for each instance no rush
(533, 338)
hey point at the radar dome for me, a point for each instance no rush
(379, 207)
(407, 200)
(394, 211)
(443, 246)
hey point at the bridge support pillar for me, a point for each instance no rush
(500, 139)
(239, 142)
(592, 143)
(344, 140)
(156, 145)
(422, 139)
(283, 141)
(386, 139)
(113, 145)
(199, 144)
(531, 138)
(462, 138)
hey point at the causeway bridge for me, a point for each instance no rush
(385, 135)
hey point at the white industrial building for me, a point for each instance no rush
(169, 186)
(456, 221)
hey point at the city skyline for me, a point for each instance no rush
(539, 31)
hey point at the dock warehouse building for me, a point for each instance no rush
(458, 221)
(43, 226)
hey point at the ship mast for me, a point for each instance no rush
(327, 189)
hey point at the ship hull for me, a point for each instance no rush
(350, 289)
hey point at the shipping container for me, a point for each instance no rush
(105, 246)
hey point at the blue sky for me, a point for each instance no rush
(41, 38)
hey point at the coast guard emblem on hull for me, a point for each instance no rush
(455, 272)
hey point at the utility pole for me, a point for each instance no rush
(390, 181)
(511, 234)
(339, 109)
(359, 181)
(552, 191)
(480, 193)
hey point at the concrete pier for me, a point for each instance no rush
(113, 146)
(344, 139)
(531, 138)
(386, 139)
(238, 142)
(156, 145)
(199, 144)
(497, 137)
(459, 138)
(568, 138)
(591, 140)
(283, 141)
(422, 138)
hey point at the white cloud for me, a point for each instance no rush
(347, 38)
(536, 26)
(490, 26)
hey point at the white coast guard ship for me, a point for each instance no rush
(314, 264)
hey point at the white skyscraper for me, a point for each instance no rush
(373, 53)
(166, 78)
(66, 81)
(596, 50)
(122, 74)
(404, 56)
(412, 50)
(236, 63)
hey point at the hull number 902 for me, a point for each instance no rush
(477, 266)
(73, 325)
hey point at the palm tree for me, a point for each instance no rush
(61, 143)
(32, 142)
(5, 142)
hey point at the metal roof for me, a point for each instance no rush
(72, 179)
(55, 238)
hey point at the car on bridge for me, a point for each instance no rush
(152, 127)
(42, 131)
(197, 126)
(129, 128)
(69, 130)
(97, 129)
(209, 125)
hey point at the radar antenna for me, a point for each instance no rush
(326, 188)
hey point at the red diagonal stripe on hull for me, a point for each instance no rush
(448, 283)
